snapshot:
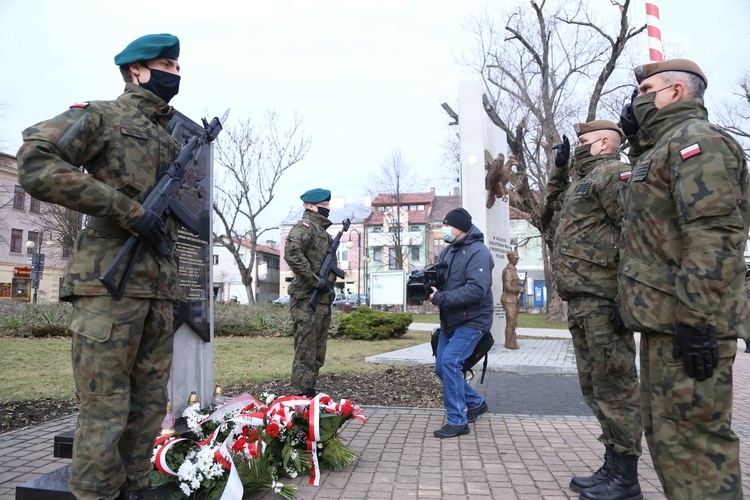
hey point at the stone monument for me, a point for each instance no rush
(481, 141)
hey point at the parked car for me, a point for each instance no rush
(349, 303)
(282, 300)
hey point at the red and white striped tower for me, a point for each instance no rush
(655, 51)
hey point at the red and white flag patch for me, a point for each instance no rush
(626, 175)
(690, 151)
(305, 224)
(80, 105)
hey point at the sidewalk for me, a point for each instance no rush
(515, 451)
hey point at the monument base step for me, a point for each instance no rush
(54, 486)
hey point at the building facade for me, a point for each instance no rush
(227, 282)
(23, 233)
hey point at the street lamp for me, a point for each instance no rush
(37, 263)
(349, 245)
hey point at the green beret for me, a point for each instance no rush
(647, 70)
(316, 195)
(149, 47)
(585, 128)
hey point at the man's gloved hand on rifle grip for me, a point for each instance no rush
(323, 286)
(563, 152)
(150, 227)
(628, 122)
(698, 349)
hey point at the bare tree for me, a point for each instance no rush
(251, 160)
(59, 226)
(734, 115)
(391, 187)
(541, 67)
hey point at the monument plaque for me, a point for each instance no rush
(194, 251)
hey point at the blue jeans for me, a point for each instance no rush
(452, 351)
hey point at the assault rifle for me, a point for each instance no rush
(162, 199)
(329, 265)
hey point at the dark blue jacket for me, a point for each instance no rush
(466, 297)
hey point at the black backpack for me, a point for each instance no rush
(481, 350)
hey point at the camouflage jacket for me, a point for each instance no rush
(305, 250)
(124, 148)
(686, 224)
(587, 238)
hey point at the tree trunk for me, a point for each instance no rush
(250, 293)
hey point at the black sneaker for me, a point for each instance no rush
(449, 431)
(473, 413)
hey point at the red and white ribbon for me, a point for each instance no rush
(655, 50)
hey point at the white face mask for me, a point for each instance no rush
(448, 234)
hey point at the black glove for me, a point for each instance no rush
(150, 227)
(547, 215)
(323, 286)
(563, 152)
(628, 123)
(616, 320)
(698, 349)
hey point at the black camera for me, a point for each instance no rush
(420, 283)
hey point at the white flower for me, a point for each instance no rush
(185, 489)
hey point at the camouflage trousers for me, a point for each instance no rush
(607, 373)
(688, 424)
(122, 357)
(310, 337)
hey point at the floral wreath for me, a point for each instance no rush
(244, 446)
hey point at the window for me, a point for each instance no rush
(413, 228)
(19, 196)
(377, 254)
(394, 229)
(437, 247)
(66, 252)
(35, 205)
(381, 209)
(414, 253)
(342, 254)
(216, 259)
(33, 236)
(16, 235)
(392, 258)
(377, 229)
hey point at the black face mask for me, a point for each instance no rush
(324, 211)
(165, 85)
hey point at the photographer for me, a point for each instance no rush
(466, 304)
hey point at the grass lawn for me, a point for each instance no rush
(41, 368)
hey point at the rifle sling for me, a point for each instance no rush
(108, 227)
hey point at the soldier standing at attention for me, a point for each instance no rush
(121, 350)
(305, 251)
(585, 256)
(511, 299)
(681, 277)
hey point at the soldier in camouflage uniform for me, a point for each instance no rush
(681, 278)
(122, 350)
(585, 256)
(304, 251)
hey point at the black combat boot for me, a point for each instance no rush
(581, 483)
(621, 484)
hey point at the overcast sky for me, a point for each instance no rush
(367, 76)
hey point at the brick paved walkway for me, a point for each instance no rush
(528, 447)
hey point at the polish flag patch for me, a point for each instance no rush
(305, 224)
(79, 105)
(625, 175)
(690, 151)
